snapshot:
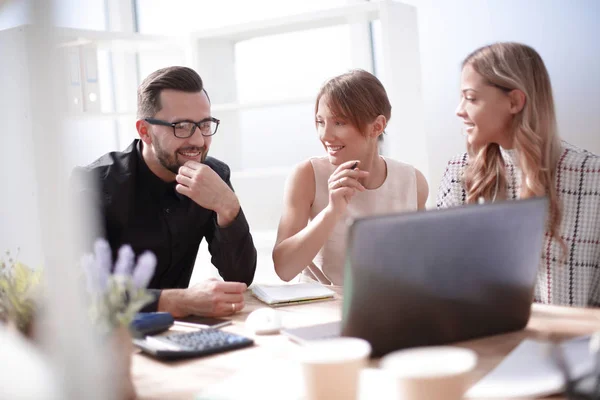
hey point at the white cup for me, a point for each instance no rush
(427, 373)
(332, 367)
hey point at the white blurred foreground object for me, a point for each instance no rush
(25, 373)
(332, 367)
(67, 337)
(528, 371)
(426, 373)
(273, 379)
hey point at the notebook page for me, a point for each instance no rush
(294, 292)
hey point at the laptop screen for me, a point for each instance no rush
(434, 277)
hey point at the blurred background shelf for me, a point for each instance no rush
(117, 41)
(350, 13)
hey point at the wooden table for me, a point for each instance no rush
(184, 379)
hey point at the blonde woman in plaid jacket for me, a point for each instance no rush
(514, 151)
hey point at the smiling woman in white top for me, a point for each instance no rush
(323, 194)
(514, 151)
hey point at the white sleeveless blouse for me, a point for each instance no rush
(397, 193)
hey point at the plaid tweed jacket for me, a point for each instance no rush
(574, 280)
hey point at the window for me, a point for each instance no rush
(282, 84)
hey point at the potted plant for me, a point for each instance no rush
(19, 289)
(117, 293)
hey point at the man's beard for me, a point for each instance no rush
(169, 161)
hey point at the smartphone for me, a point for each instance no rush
(196, 321)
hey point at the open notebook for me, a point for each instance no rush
(280, 295)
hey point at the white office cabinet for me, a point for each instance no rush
(74, 83)
(109, 92)
(89, 77)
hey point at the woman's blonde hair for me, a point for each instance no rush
(534, 135)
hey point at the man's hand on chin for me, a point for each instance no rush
(205, 187)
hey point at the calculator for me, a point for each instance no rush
(192, 344)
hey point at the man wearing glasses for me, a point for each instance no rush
(165, 195)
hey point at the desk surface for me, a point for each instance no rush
(184, 379)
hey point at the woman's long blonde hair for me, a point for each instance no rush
(534, 135)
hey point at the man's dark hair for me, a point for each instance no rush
(176, 78)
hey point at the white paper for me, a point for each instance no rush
(529, 371)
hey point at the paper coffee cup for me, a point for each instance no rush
(427, 373)
(332, 367)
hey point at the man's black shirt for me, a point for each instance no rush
(138, 208)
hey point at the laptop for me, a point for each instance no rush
(437, 277)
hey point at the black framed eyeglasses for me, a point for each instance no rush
(185, 129)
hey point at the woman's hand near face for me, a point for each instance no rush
(299, 238)
(343, 184)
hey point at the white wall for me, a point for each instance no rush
(80, 14)
(565, 33)
(14, 13)
(182, 16)
(19, 218)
